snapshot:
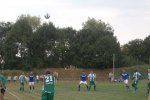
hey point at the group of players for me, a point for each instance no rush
(83, 80)
(47, 92)
(136, 77)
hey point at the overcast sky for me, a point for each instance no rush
(129, 18)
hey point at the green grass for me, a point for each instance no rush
(68, 91)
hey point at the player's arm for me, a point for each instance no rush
(133, 76)
(88, 77)
(141, 76)
(95, 79)
(122, 77)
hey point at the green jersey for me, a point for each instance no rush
(22, 78)
(2, 81)
(48, 84)
(92, 76)
(136, 75)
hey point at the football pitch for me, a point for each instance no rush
(68, 91)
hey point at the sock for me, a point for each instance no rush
(79, 88)
(148, 91)
(89, 87)
(94, 87)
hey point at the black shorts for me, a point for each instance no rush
(2, 91)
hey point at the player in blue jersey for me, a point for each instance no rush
(31, 81)
(83, 78)
(125, 77)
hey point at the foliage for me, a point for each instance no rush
(28, 43)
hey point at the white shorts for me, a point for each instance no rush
(83, 82)
(31, 83)
(126, 81)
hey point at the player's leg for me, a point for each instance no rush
(33, 86)
(44, 96)
(127, 85)
(148, 88)
(21, 86)
(136, 86)
(2, 94)
(94, 86)
(50, 96)
(79, 86)
(85, 83)
(90, 85)
(30, 86)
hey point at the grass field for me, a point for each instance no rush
(68, 91)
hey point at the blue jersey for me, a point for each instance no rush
(31, 78)
(83, 77)
(125, 76)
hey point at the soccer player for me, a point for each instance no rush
(22, 80)
(2, 86)
(15, 78)
(148, 85)
(92, 78)
(83, 78)
(125, 77)
(136, 77)
(37, 78)
(55, 74)
(48, 87)
(111, 77)
(31, 81)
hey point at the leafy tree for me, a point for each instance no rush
(135, 50)
(146, 54)
(43, 44)
(16, 44)
(95, 44)
(4, 28)
(65, 37)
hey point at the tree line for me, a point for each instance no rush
(30, 43)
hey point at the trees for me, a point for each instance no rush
(134, 52)
(4, 28)
(146, 44)
(18, 40)
(95, 44)
(43, 45)
(28, 43)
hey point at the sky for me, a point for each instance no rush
(129, 18)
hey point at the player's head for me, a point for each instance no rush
(92, 72)
(148, 70)
(31, 73)
(136, 70)
(48, 72)
(83, 72)
(123, 70)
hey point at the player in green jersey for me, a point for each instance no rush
(148, 84)
(22, 81)
(2, 86)
(48, 87)
(92, 78)
(136, 77)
